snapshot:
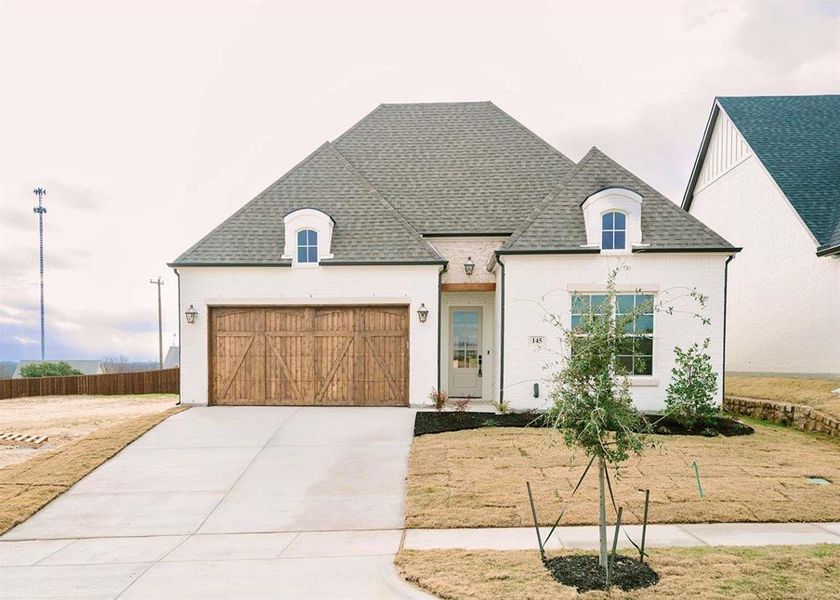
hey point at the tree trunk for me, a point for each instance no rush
(602, 513)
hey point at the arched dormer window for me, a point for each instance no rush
(613, 219)
(307, 246)
(307, 237)
(613, 231)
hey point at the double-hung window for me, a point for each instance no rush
(635, 352)
(307, 246)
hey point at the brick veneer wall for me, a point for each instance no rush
(795, 415)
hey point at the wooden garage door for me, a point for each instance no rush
(333, 356)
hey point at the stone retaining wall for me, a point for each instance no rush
(794, 415)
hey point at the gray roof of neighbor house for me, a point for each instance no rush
(173, 357)
(558, 223)
(797, 139)
(407, 170)
(87, 367)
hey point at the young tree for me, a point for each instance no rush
(48, 369)
(591, 402)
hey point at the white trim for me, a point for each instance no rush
(614, 199)
(623, 287)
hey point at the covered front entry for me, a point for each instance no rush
(309, 355)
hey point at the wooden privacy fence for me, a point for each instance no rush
(164, 381)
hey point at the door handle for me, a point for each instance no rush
(479, 365)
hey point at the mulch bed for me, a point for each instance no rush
(584, 573)
(427, 422)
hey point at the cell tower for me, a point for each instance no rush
(41, 210)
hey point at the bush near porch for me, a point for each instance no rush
(477, 478)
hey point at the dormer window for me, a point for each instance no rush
(613, 219)
(613, 231)
(307, 246)
(308, 237)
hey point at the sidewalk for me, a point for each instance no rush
(586, 537)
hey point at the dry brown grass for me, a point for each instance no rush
(816, 393)
(477, 479)
(66, 419)
(27, 487)
(789, 572)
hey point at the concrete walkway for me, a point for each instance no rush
(224, 502)
(586, 537)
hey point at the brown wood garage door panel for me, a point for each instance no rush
(325, 355)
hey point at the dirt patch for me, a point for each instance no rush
(477, 479)
(66, 419)
(790, 572)
(27, 487)
(582, 572)
(816, 393)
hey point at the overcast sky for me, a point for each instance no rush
(150, 123)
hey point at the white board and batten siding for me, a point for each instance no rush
(784, 300)
(202, 287)
(663, 275)
(727, 149)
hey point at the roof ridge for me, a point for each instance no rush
(551, 195)
(410, 229)
(532, 134)
(437, 103)
(247, 204)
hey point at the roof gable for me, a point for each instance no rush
(367, 228)
(465, 167)
(797, 139)
(558, 223)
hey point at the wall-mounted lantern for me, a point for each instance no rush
(191, 314)
(422, 313)
(469, 266)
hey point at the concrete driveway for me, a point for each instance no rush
(228, 502)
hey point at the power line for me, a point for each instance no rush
(159, 282)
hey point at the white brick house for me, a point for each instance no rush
(417, 251)
(767, 177)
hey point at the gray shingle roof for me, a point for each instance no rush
(367, 228)
(454, 167)
(558, 224)
(797, 139)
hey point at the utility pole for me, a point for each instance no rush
(40, 211)
(159, 282)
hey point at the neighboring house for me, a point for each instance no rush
(87, 367)
(410, 254)
(767, 178)
(173, 358)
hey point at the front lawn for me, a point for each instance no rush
(790, 572)
(816, 393)
(477, 479)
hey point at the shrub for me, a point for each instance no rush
(438, 398)
(502, 406)
(690, 395)
(460, 404)
(48, 369)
